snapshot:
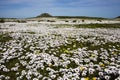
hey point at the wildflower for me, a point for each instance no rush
(53, 76)
(101, 64)
(107, 77)
(82, 68)
(94, 78)
(35, 79)
(28, 77)
(7, 78)
(6, 70)
(49, 64)
(84, 73)
(23, 72)
(87, 78)
(91, 71)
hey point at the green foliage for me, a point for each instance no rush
(50, 21)
(74, 21)
(66, 21)
(97, 26)
(5, 37)
(79, 17)
(21, 21)
(83, 20)
(99, 20)
(2, 20)
(87, 25)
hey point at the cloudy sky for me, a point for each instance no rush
(31, 8)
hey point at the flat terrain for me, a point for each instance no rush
(60, 50)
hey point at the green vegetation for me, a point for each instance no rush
(97, 26)
(30, 32)
(21, 21)
(83, 20)
(87, 25)
(50, 21)
(5, 37)
(2, 20)
(69, 17)
(74, 21)
(78, 17)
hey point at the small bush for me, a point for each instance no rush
(83, 20)
(99, 20)
(40, 20)
(74, 20)
(2, 20)
(66, 21)
(50, 21)
(21, 21)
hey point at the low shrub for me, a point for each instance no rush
(74, 21)
(66, 21)
(21, 21)
(83, 20)
(2, 20)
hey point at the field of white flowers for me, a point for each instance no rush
(39, 51)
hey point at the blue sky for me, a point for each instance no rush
(32, 8)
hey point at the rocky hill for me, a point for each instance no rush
(44, 15)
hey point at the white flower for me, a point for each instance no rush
(40, 76)
(91, 71)
(18, 78)
(46, 78)
(28, 77)
(82, 78)
(59, 78)
(35, 79)
(77, 70)
(6, 70)
(17, 73)
(29, 72)
(16, 64)
(53, 76)
(7, 78)
(84, 73)
(2, 76)
(74, 79)
(107, 77)
(15, 68)
(101, 73)
(36, 74)
(23, 72)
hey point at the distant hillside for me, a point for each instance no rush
(118, 17)
(44, 15)
(63, 17)
(83, 17)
